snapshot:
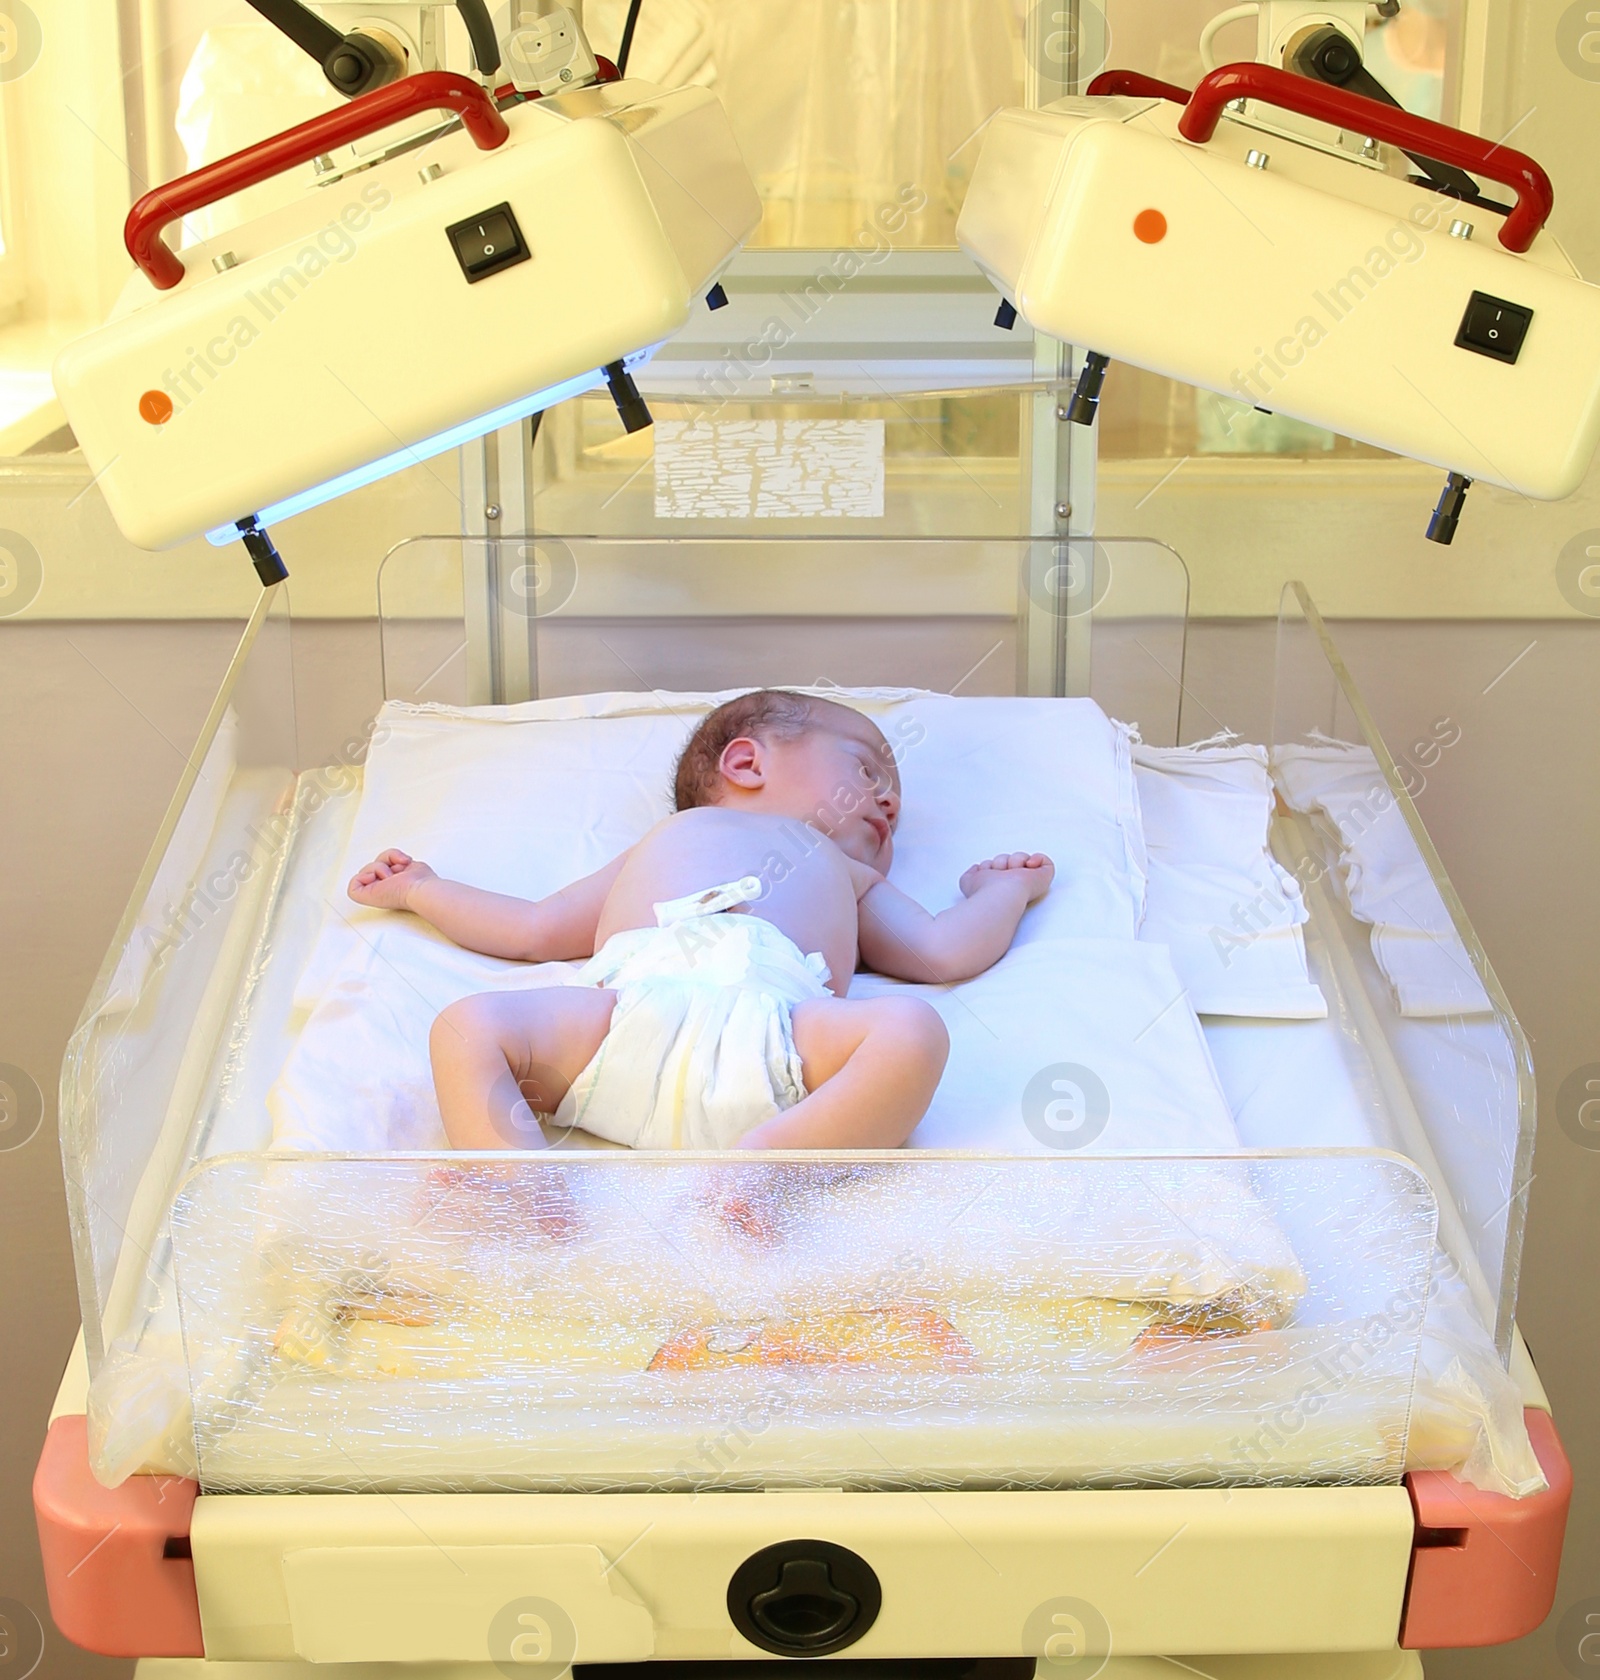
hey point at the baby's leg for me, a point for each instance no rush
(502, 1058)
(871, 1067)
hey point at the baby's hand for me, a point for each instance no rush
(386, 883)
(1033, 869)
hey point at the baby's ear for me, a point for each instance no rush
(741, 762)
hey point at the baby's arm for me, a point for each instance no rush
(560, 928)
(901, 939)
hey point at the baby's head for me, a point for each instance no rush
(794, 755)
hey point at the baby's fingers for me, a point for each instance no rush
(395, 858)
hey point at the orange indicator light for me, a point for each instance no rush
(1150, 226)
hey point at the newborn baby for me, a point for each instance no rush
(714, 1013)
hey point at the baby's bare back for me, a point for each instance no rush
(810, 891)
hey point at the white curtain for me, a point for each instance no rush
(842, 107)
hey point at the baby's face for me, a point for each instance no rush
(840, 776)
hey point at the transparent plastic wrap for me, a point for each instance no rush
(637, 1321)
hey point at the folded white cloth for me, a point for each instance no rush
(1341, 786)
(1429, 972)
(1215, 895)
(700, 1046)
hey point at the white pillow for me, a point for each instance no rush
(524, 799)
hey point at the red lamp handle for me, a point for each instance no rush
(432, 90)
(1383, 122)
(1137, 85)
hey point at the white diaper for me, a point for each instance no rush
(700, 1047)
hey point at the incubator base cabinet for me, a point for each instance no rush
(1185, 1327)
(281, 1580)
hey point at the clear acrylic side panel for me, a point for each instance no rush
(472, 621)
(1455, 1069)
(186, 1024)
(898, 1320)
(137, 1063)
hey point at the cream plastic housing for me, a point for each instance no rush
(1308, 286)
(390, 1577)
(343, 328)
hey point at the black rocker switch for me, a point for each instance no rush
(486, 243)
(1493, 327)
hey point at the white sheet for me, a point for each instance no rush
(1340, 785)
(1230, 914)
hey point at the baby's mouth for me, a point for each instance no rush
(880, 830)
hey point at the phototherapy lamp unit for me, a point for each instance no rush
(1287, 237)
(528, 247)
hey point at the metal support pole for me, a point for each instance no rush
(499, 612)
(1058, 585)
